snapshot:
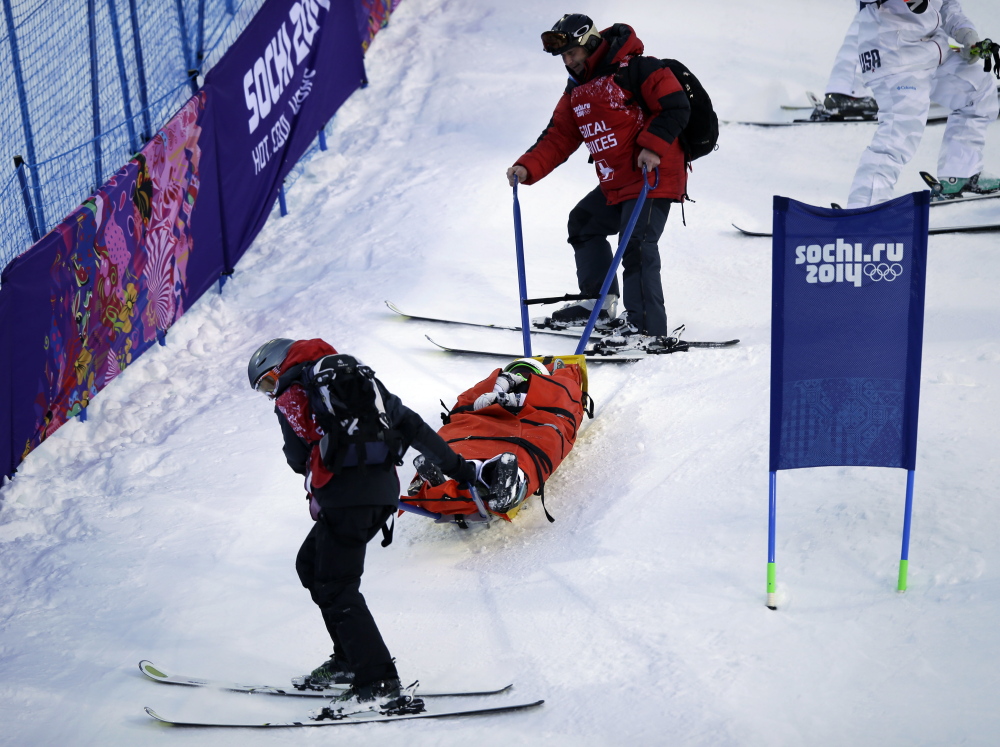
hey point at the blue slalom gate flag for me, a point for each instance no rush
(847, 312)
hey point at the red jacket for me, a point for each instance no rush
(293, 404)
(625, 103)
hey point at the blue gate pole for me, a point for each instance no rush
(120, 57)
(522, 282)
(95, 92)
(613, 270)
(772, 513)
(32, 224)
(904, 557)
(281, 200)
(22, 100)
(147, 130)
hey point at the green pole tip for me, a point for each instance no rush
(903, 568)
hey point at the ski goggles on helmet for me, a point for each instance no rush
(557, 42)
(572, 30)
(267, 383)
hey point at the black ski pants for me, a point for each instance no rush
(591, 222)
(330, 563)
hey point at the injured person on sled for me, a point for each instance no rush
(516, 426)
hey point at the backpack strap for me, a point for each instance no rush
(541, 498)
(388, 529)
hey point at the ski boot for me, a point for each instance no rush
(983, 184)
(332, 673)
(954, 187)
(577, 314)
(383, 697)
(629, 338)
(507, 484)
(837, 107)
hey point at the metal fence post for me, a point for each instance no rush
(32, 223)
(200, 53)
(185, 44)
(95, 92)
(147, 130)
(120, 58)
(22, 98)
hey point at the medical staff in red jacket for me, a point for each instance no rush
(628, 110)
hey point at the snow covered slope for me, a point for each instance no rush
(166, 526)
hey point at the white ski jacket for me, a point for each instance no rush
(893, 39)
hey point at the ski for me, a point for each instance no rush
(569, 332)
(362, 718)
(594, 356)
(800, 122)
(976, 228)
(510, 355)
(158, 675)
(938, 199)
(821, 115)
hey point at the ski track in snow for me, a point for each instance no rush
(166, 526)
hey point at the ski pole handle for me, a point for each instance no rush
(645, 177)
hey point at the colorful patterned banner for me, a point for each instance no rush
(115, 278)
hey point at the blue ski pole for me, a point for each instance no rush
(417, 510)
(522, 283)
(479, 502)
(588, 331)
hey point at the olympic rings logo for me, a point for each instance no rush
(883, 271)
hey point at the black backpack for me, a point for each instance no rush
(346, 401)
(701, 135)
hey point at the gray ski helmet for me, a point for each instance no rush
(268, 355)
(526, 365)
(572, 30)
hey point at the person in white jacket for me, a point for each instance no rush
(906, 61)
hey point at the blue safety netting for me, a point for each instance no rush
(85, 85)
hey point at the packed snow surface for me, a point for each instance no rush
(165, 527)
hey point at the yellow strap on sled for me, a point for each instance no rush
(569, 360)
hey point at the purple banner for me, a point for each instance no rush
(268, 97)
(847, 333)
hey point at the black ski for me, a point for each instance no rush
(158, 675)
(978, 228)
(592, 355)
(510, 355)
(364, 718)
(569, 332)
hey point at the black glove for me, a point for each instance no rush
(464, 472)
